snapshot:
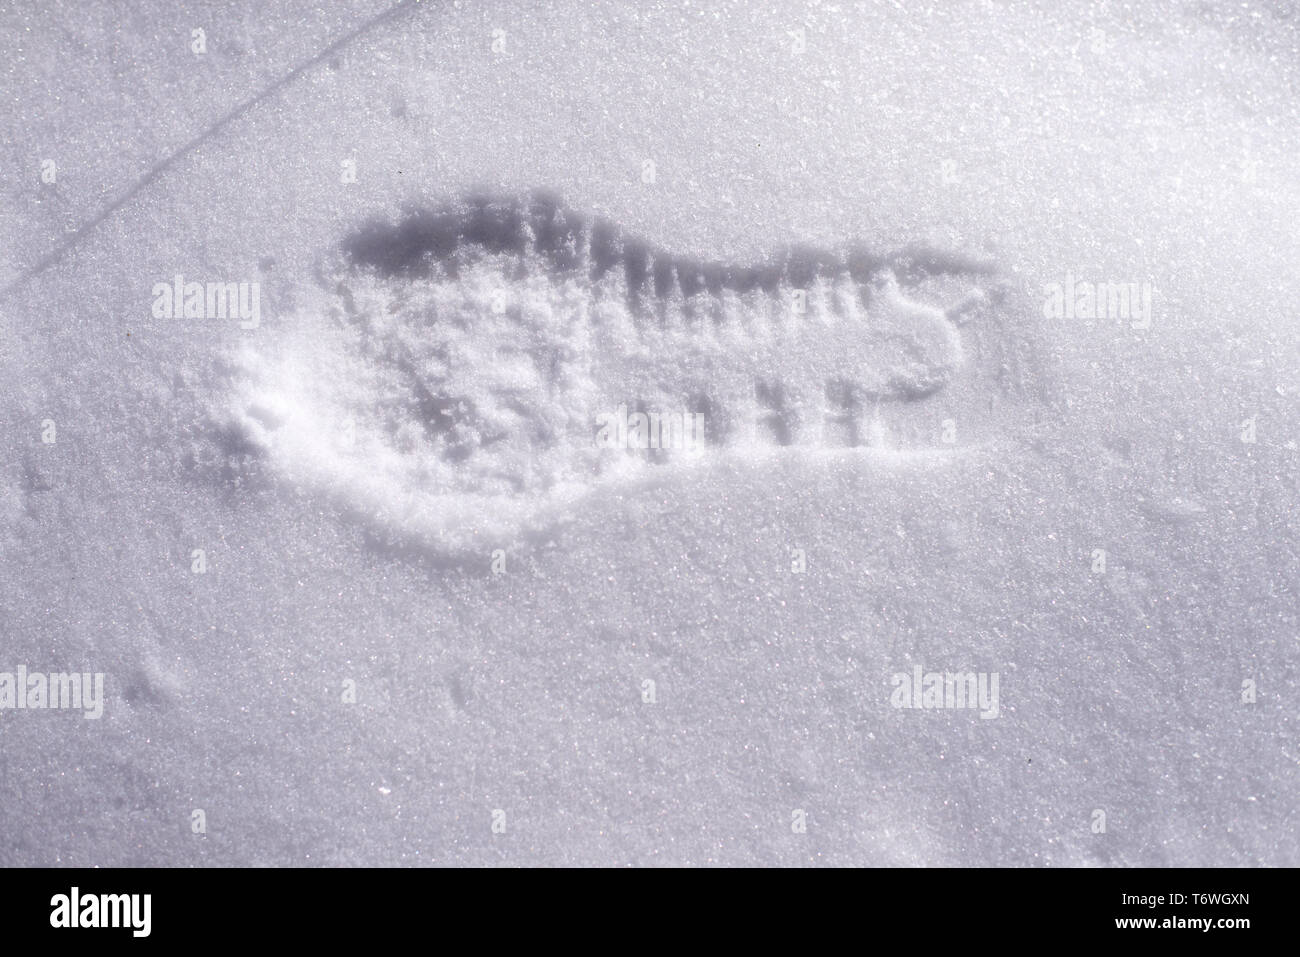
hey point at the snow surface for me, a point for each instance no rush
(946, 457)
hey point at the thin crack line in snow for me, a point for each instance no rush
(171, 159)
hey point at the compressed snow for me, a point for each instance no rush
(448, 384)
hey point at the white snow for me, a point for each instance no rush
(357, 676)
